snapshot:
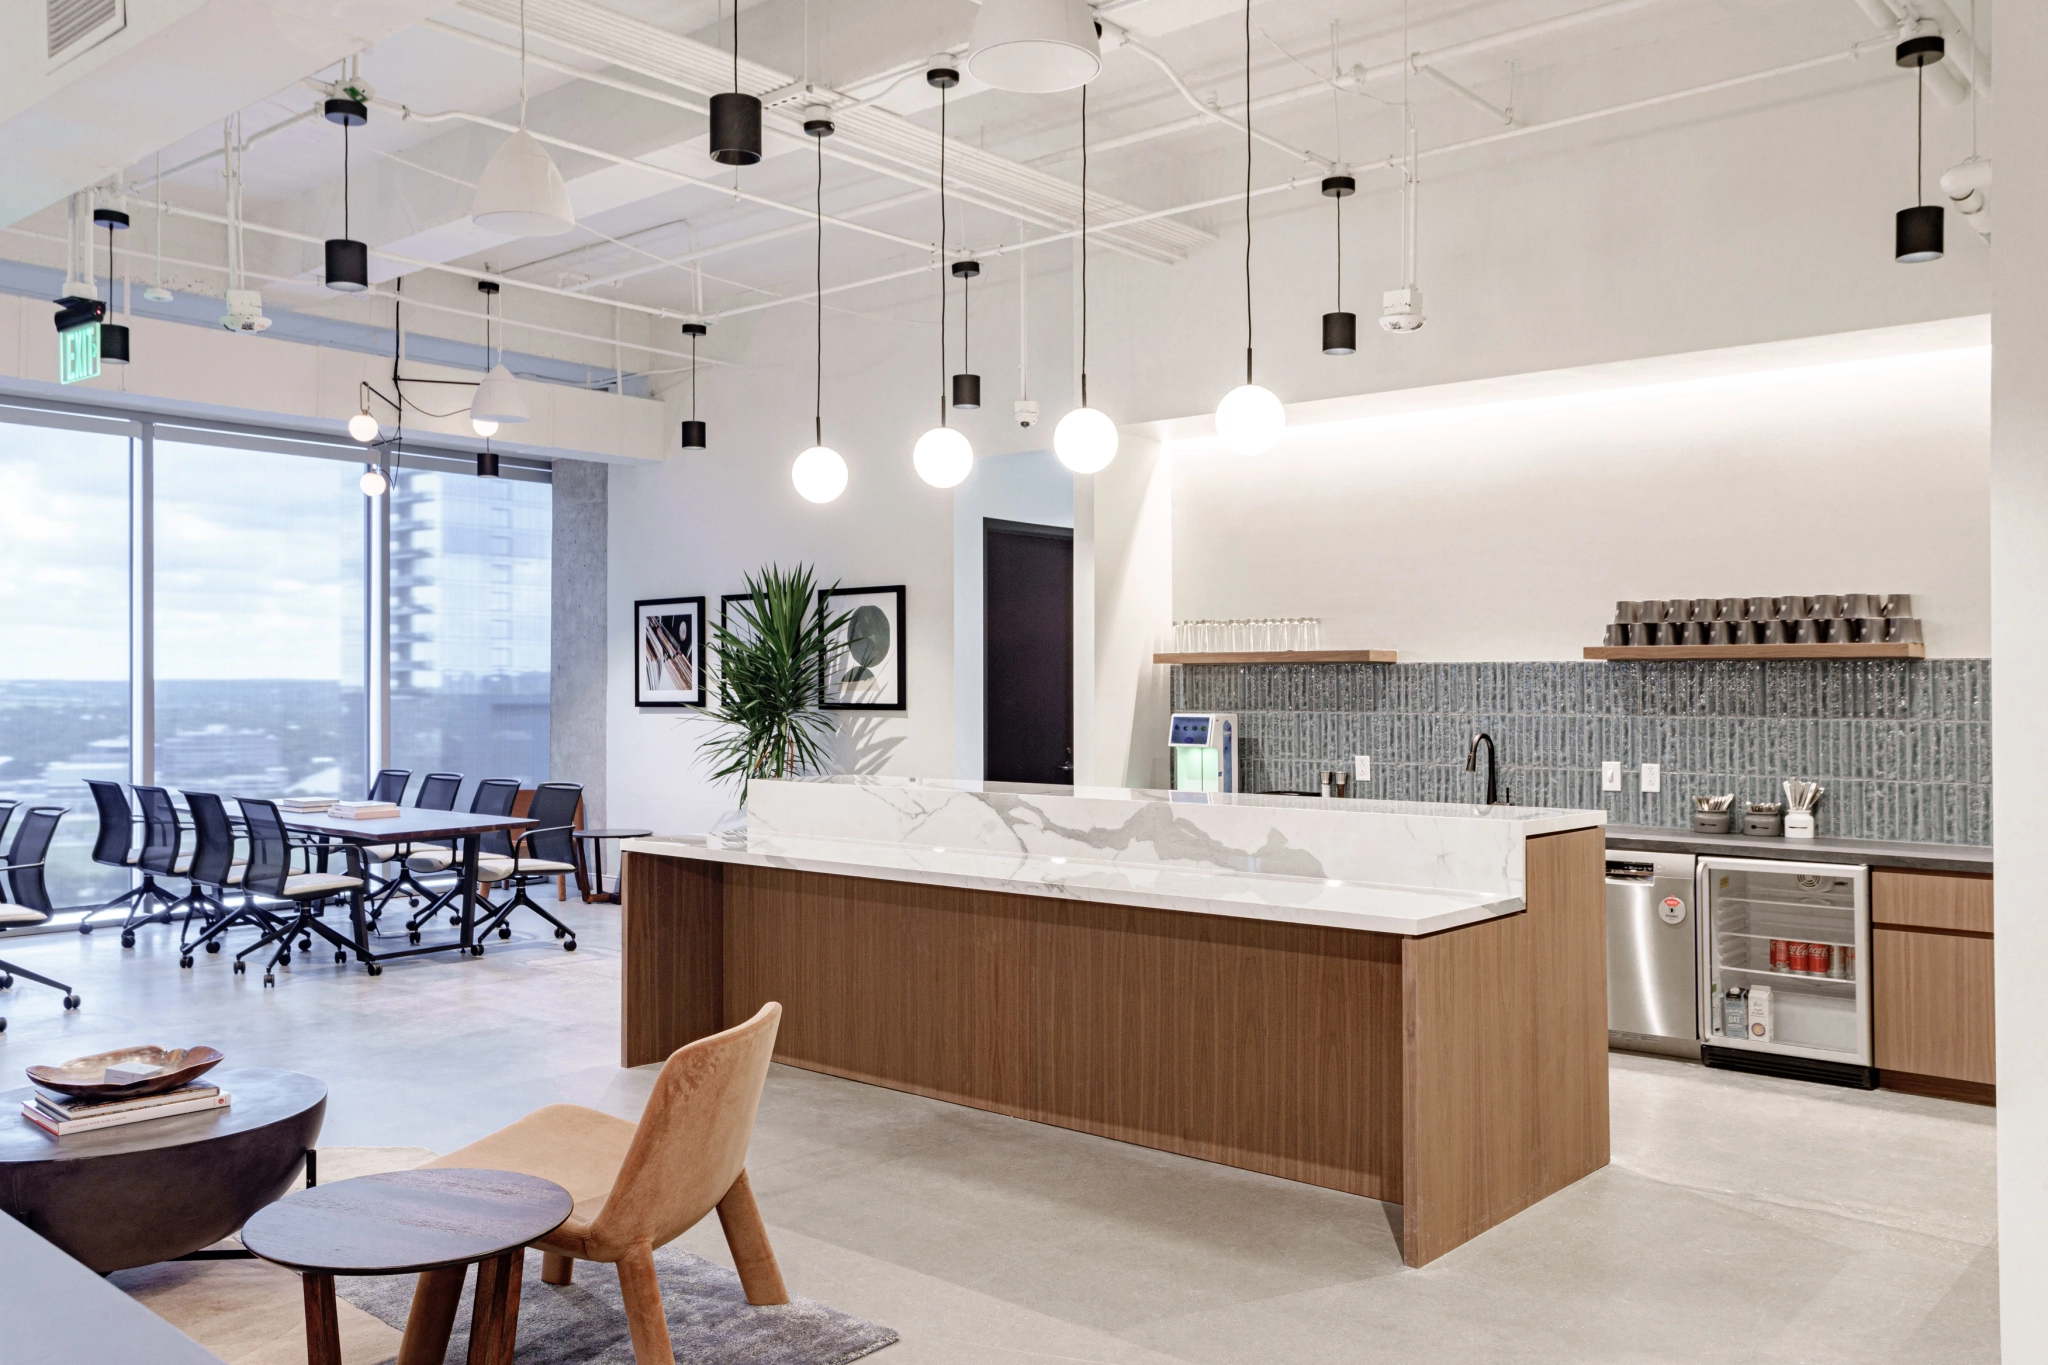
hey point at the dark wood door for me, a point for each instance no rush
(1028, 663)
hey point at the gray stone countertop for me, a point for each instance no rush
(1873, 852)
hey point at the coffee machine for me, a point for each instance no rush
(1203, 749)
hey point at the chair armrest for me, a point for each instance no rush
(18, 867)
(525, 834)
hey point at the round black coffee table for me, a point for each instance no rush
(433, 1222)
(155, 1190)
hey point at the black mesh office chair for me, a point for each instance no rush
(162, 855)
(269, 874)
(540, 854)
(114, 846)
(390, 785)
(493, 796)
(28, 899)
(216, 874)
(437, 792)
(6, 814)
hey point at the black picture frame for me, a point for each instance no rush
(889, 670)
(648, 673)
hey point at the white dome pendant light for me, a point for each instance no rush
(521, 192)
(1035, 47)
(943, 457)
(1085, 440)
(819, 473)
(498, 400)
(1249, 419)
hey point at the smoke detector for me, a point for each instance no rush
(1026, 410)
(245, 312)
(1401, 309)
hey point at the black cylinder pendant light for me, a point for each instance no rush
(735, 118)
(113, 335)
(1917, 232)
(348, 262)
(967, 386)
(1340, 329)
(693, 430)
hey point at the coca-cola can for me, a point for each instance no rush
(1780, 955)
(1820, 959)
(1845, 963)
(1796, 958)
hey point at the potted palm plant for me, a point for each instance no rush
(769, 677)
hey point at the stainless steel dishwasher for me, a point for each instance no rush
(1652, 953)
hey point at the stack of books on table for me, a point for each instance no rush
(305, 805)
(364, 810)
(60, 1115)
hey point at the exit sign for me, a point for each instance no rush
(78, 353)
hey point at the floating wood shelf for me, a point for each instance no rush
(1652, 653)
(1285, 656)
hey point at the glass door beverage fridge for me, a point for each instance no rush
(1785, 969)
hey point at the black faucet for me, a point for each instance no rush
(1492, 772)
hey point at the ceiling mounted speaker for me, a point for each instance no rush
(521, 192)
(1035, 47)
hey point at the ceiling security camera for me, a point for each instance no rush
(245, 312)
(1027, 412)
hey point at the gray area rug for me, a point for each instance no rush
(710, 1321)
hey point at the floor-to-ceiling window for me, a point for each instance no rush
(259, 622)
(469, 625)
(230, 572)
(64, 645)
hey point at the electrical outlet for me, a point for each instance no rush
(1610, 775)
(1653, 777)
(1361, 767)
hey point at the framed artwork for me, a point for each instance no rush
(864, 662)
(668, 651)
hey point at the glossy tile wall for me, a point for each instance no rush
(1903, 746)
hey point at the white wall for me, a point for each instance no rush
(2019, 730)
(1129, 513)
(1029, 486)
(1475, 527)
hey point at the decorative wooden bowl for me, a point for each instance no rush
(85, 1077)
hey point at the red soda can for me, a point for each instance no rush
(1780, 955)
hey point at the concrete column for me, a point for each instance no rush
(576, 650)
(2019, 651)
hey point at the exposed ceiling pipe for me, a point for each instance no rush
(209, 155)
(1467, 94)
(1211, 113)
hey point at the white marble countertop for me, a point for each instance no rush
(1332, 902)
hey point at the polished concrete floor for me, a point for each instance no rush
(1742, 1219)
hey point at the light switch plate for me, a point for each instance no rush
(1610, 775)
(1361, 767)
(1653, 777)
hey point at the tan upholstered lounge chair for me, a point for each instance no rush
(636, 1186)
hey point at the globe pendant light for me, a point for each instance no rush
(1085, 440)
(348, 262)
(1340, 329)
(113, 335)
(736, 118)
(693, 430)
(819, 473)
(1250, 418)
(942, 456)
(374, 483)
(497, 399)
(1035, 47)
(1917, 231)
(521, 193)
(363, 427)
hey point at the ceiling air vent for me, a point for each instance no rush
(75, 25)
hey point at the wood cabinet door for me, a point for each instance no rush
(1931, 900)
(1931, 1004)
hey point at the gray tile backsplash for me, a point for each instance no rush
(1903, 746)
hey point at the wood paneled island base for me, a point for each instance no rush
(1461, 1074)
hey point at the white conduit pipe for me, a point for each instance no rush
(205, 157)
(1211, 113)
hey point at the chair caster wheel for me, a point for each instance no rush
(269, 980)
(127, 939)
(185, 961)
(570, 946)
(561, 933)
(340, 957)
(306, 944)
(86, 928)
(70, 1002)
(376, 970)
(285, 960)
(7, 982)
(476, 950)
(504, 933)
(240, 967)
(213, 947)
(414, 936)
(412, 902)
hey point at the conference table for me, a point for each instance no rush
(414, 826)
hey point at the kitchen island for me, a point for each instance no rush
(1399, 1000)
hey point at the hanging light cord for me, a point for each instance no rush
(818, 393)
(693, 376)
(1084, 246)
(522, 65)
(736, 45)
(1340, 253)
(1919, 135)
(344, 177)
(1247, 191)
(942, 255)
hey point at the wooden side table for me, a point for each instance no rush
(436, 1223)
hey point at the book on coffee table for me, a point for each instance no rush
(60, 1114)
